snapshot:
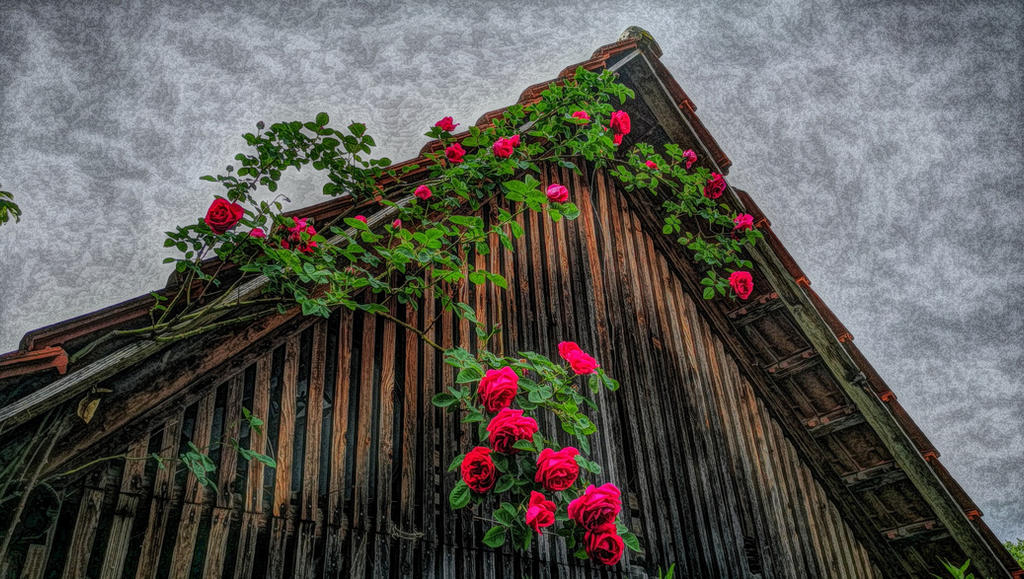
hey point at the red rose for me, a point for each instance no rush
(596, 506)
(498, 388)
(478, 469)
(514, 139)
(652, 165)
(503, 148)
(257, 233)
(423, 192)
(617, 139)
(557, 193)
(603, 544)
(715, 186)
(396, 224)
(690, 157)
(295, 236)
(743, 221)
(455, 153)
(581, 115)
(742, 283)
(223, 215)
(580, 361)
(360, 218)
(619, 123)
(540, 512)
(557, 469)
(507, 427)
(446, 124)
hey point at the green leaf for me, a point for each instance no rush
(322, 119)
(469, 374)
(504, 517)
(709, 292)
(457, 462)
(524, 445)
(443, 400)
(460, 495)
(504, 483)
(632, 542)
(495, 537)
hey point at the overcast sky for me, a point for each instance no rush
(884, 141)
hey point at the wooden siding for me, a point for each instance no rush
(360, 488)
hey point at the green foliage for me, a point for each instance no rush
(957, 572)
(1016, 548)
(8, 208)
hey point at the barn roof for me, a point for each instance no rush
(863, 447)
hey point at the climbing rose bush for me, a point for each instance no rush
(530, 479)
(426, 235)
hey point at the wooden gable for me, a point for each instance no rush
(750, 439)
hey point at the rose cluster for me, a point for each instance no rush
(593, 511)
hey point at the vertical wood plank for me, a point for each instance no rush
(286, 431)
(188, 527)
(85, 532)
(220, 522)
(127, 503)
(251, 519)
(162, 495)
(35, 562)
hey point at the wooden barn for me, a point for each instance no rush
(750, 439)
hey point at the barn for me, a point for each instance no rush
(749, 438)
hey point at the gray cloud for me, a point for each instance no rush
(883, 140)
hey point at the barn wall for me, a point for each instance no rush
(360, 487)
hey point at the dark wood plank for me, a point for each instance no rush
(162, 496)
(119, 541)
(188, 528)
(85, 532)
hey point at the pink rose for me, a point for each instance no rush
(503, 148)
(446, 124)
(514, 139)
(652, 165)
(742, 283)
(498, 388)
(557, 469)
(507, 427)
(581, 115)
(580, 361)
(603, 544)
(423, 192)
(454, 153)
(557, 193)
(396, 224)
(743, 221)
(690, 157)
(360, 218)
(258, 233)
(223, 215)
(295, 236)
(714, 187)
(478, 470)
(540, 512)
(596, 506)
(619, 123)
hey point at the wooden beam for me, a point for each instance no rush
(826, 426)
